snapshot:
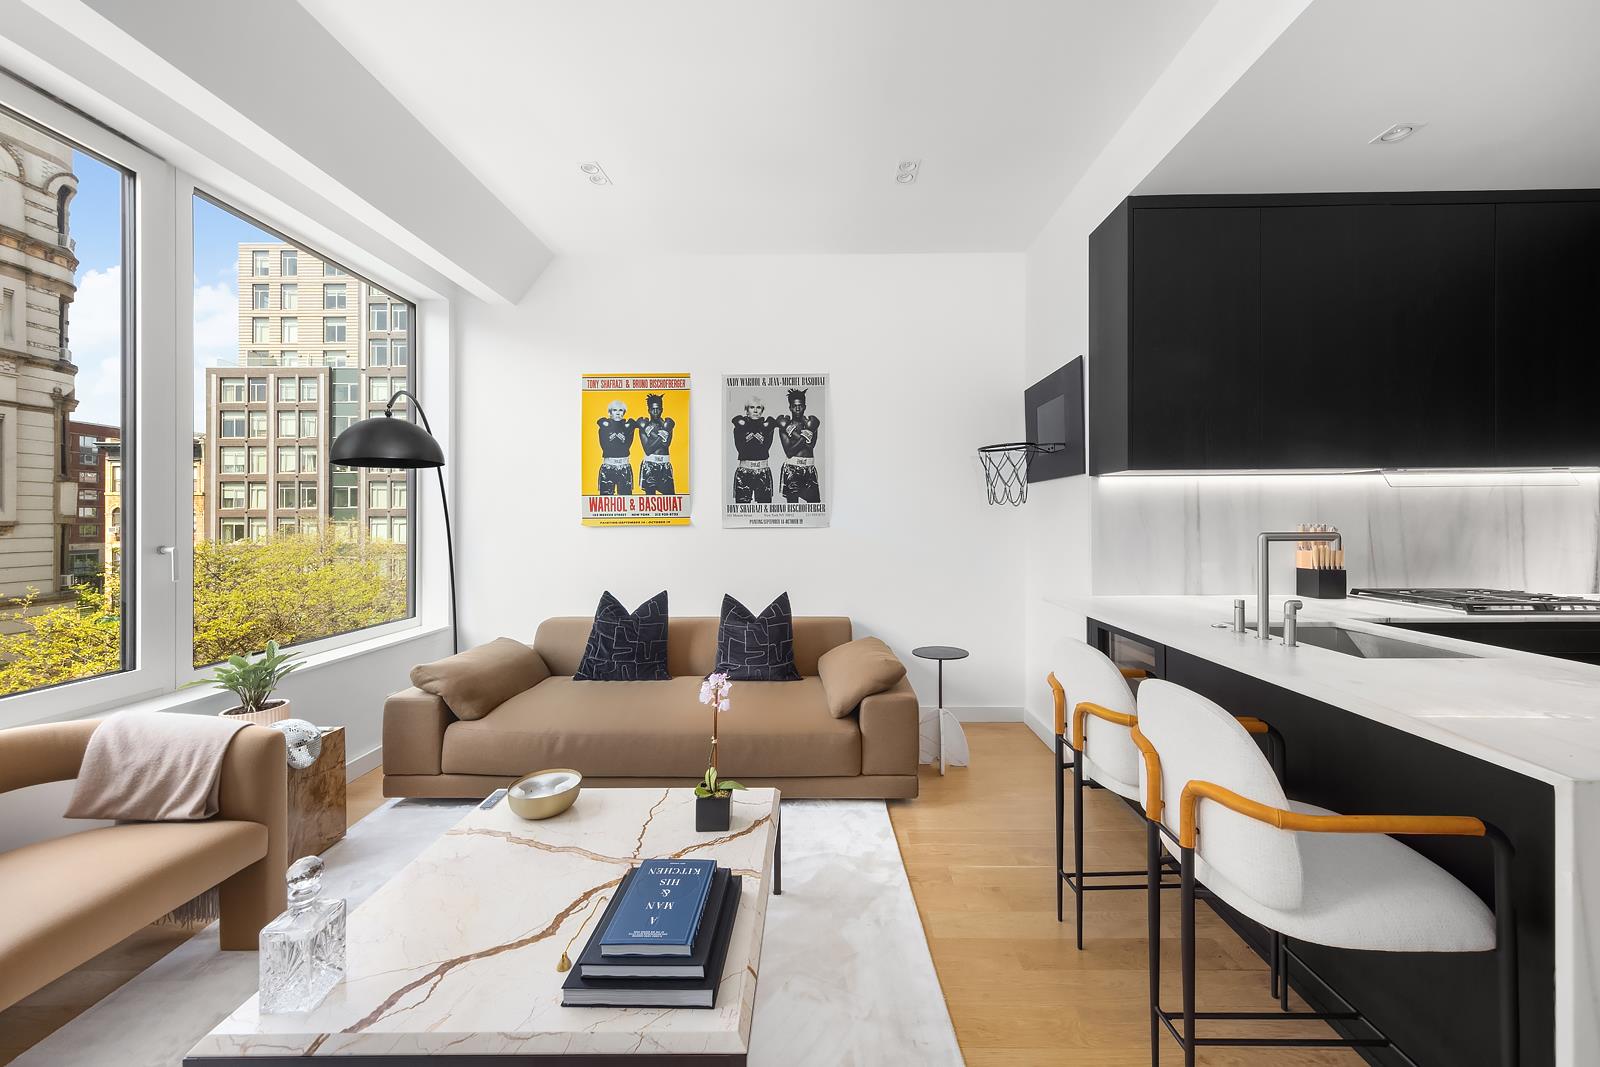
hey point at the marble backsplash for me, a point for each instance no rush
(1198, 535)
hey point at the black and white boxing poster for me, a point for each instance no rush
(775, 445)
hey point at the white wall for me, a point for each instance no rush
(1060, 514)
(925, 354)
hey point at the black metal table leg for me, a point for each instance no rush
(777, 858)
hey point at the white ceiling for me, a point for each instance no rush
(1510, 90)
(759, 126)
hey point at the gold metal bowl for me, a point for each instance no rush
(544, 793)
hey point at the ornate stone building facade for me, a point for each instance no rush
(38, 495)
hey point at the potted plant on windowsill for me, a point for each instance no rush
(713, 795)
(253, 681)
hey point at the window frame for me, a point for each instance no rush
(158, 394)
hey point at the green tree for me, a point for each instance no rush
(289, 589)
(61, 643)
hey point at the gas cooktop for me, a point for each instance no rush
(1485, 601)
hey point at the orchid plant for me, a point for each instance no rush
(714, 694)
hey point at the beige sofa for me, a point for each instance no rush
(70, 898)
(657, 733)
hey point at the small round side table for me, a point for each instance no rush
(940, 653)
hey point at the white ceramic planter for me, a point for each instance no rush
(275, 711)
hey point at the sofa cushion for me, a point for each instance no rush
(69, 897)
(626, 646)
(757, 648)
(651, 729)
(691, 642)
(475, 682)
(857, 670)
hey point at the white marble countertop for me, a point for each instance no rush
(457, 953)
(1534, 714)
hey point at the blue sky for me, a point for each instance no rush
(95, 332)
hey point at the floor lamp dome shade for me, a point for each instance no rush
(386, 441)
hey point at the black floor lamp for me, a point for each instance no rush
(392, 442)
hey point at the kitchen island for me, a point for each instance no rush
(1455, 727)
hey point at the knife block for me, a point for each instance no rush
(1319, 584)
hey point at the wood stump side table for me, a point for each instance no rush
(317, 799)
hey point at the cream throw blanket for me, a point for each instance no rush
(151, 766)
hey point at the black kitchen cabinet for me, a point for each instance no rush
(1377, 324)
(1547, 333)
(1195, 390)
(1344, 331)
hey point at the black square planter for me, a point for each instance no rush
(712, 813)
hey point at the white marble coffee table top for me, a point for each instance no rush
(457, 953)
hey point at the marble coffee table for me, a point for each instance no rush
(454, 959)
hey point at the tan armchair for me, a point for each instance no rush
(70, 898)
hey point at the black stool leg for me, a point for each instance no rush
(1283, 972)
(1152, 910)
(1186, 895)
(1077, 837)
(1505, 949)
(1273, 960)
(777, 858)
(1061, 830)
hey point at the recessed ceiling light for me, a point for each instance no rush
(905, 173)
(595, 173)
(1398, 132)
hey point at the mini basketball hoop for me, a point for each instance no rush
(1005, 468)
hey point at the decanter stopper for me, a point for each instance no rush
(305, 881)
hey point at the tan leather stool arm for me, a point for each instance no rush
(1086, 709)
(1283, 819)
(1152, 773)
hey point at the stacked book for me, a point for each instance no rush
(662, 940)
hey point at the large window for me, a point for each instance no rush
(335, 568)
(82, 561)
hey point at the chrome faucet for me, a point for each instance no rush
(1291, 622)
(1263, 604)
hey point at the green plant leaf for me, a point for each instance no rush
(729, 783)
(701, 791)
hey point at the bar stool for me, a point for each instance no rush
(1304, 872)
(1103, 714)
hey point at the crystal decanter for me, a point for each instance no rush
(302, 950)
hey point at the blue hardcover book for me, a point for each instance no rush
(660, 911)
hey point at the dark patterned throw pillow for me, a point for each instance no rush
(626, 647)
(757, 648)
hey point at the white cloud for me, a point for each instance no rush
(216, 336)
(94, 334)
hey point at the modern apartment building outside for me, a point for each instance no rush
(38, 499)
(318, 350)
(87, 446)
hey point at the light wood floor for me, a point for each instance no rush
(977, 847)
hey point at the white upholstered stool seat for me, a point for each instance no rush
(1093, 772)
(1366, 891)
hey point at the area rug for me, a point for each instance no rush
(846, 978)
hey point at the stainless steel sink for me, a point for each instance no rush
(1366, 645)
